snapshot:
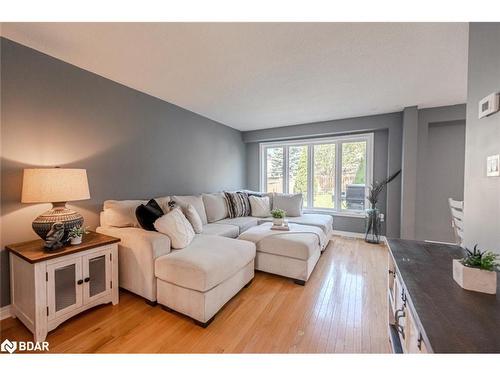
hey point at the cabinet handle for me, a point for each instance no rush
(419, 341)
(87, 279)
(79, 282)
(400, 313)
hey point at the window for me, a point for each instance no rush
(274, 169)
(297, 175)
(331, 173)
(324, 176)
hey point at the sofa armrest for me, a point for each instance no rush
(137, 251)
(154, 243)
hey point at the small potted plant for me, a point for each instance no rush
(278, 216)
(75, 235)
(476, 271)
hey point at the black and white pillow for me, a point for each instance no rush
(237, 204)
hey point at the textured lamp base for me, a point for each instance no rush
(70, 218)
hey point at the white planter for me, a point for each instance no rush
(474, 279)
(76, 240)
(278, 222)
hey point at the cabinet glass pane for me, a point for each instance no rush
(97, 274)
(65, 291)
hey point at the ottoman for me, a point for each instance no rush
(199, 279)
(292, 254)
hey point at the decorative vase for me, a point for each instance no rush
(372, 228)
(76, 240)
(59, 213)
(278, 221)
(474, 279)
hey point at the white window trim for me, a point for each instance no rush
(368, 137)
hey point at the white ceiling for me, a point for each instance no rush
(260, 75)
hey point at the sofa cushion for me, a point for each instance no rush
(243, 222)
(225, 230)
(196, 201)
(215, 206)
(325, 222)
(290, 203)
(301, 242)
(163, 203)
(205, 263)
(120, 213)
(260, 206)
(175, 225)
(147, 214)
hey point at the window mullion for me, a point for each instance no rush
(285, 169)
(310, 175)
(263, 174)
(338, 176)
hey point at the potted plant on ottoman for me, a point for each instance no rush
(278, 216)
(477, 271)
(75, 235)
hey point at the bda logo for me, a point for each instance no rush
(8, 346)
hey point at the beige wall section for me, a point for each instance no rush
(482, 194)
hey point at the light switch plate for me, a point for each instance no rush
(493, 166)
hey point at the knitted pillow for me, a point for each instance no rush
(237, 204)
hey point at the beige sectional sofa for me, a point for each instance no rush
(149, 268)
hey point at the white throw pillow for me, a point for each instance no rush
(260, 206)
(215, 206)
(120, 213)
(195, 200)
(193, 217)
(175, 225)
(291, 203)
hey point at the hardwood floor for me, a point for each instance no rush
(341, 309)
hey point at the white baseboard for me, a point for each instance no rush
(5, 312)
(348, 234)
(353, 235)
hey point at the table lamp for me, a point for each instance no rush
(56, 186)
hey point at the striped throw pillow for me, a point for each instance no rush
(237, 204)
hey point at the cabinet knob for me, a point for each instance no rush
(79, 282)
(87, 279)
(419, 341)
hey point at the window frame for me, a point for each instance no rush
(337, 140)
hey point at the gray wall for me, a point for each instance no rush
(409, 172)
(443, 178)
(426, 162)
(387, 157)
(132, 145)
(482, 194)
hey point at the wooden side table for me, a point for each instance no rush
(49, 287)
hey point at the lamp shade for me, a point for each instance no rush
(45, 185)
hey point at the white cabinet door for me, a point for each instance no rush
(64, 282)
(96, 275)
